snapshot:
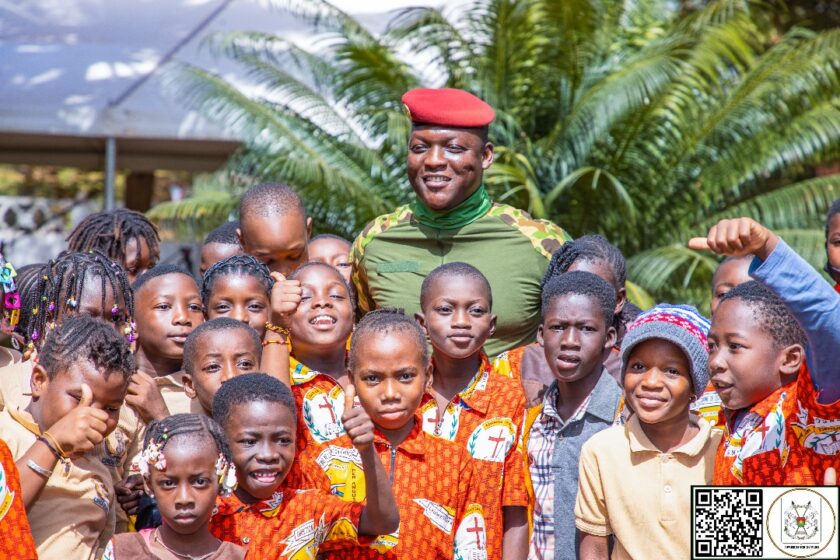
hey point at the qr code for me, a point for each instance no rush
(727, 523)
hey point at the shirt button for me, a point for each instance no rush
(246, 540)
(667, 488)
(664, 458)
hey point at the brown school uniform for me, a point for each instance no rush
(137, 546)
(74, 516)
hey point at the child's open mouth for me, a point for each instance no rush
(265, 476)
(322, 321)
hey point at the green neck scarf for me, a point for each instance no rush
(471, 209)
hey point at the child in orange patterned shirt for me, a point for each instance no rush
(471, 405)
(257, 413)
(438, 497)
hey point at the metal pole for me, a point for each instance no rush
(110, 169)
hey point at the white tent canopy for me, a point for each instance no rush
(75, 73)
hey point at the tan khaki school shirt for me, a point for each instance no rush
(631, 489)
(74, 516)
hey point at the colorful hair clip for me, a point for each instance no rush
(71, 302)
(115, 310)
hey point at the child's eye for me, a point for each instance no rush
(201, 482)
(734, 346)
(166, 483)
(555, 328)
(286, 441)
(443, 309)
(196, 307)
(587, 328)
(256, 307)
(673, 372)
(211, 368)
(637, 366)
(343, 265)
(247, 442)
(221, 307)
(163, 306)
(478, 311)
(370, 379)
(406, 377)
(113, 409)
(337, 296)
(245, 364)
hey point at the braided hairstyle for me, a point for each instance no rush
(383, 321)
(86, 339)
(110, 231)
(60, 285)
(593, 248)
(160, 433)
(236, 265)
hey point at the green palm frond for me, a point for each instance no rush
(627, 119)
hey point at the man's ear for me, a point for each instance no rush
(791, 360)
(611, 338)
(540, 339)
(487, 155)
(189, 389)
(38, 381)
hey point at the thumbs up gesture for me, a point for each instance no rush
(80, 430)
(737, 238)
(357, 423)
(285, 297)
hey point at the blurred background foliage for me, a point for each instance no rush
(646, 121)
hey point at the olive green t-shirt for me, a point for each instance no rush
(394, 253)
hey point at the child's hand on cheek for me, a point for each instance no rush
(144, 397)
(285, 298)
(737, 238)
(82, 428)
(357, 423)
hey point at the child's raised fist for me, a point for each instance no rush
(82, 428)
(357, 423)
(144, 396)
(285, 297)
(737, 238)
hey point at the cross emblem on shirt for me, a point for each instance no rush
(327, 404)
(498, 439)
(478, 530)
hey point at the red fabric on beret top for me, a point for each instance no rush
(447, 107)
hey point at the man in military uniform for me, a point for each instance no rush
(453, 219)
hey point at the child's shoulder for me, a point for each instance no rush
(609, 441)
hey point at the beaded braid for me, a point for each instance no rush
(60, 286)
(235, 265)
(111, 230)
(161, 432)
(83, 338)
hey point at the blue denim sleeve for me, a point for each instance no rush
(815, 305)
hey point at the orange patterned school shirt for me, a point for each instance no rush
(15, 535)
(292, 525)
(432, 479)
(486, 420)
(787, 439)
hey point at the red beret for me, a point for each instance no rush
(447, 107)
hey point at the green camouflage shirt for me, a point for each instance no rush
(394, 253)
